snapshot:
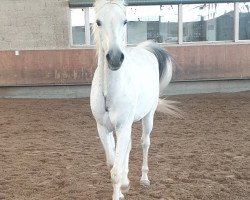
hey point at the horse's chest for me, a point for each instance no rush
(118, 102)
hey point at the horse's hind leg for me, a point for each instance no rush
(147, 126)
(108, 143)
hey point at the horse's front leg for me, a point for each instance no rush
(125, 180)
(122, 146)
(108, 143)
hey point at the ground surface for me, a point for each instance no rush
(49, 149)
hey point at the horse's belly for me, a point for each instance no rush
(147, 102)
(144, 107)
(146, 75)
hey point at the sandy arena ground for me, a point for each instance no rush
(49, 149)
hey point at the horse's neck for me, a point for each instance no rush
(111, 80)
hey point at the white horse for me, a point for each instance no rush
(126, 88)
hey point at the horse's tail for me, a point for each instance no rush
(168, 107)
(165, 75)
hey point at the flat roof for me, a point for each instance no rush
(89, 3)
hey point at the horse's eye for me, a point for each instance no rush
(125, 22)
(98, 22)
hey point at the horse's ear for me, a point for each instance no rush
(119, 1)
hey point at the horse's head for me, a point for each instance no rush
(110, 31)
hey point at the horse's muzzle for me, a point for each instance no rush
(115, 59)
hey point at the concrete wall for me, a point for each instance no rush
(34, 24)
(76, 66)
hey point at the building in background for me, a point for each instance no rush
(48, 42)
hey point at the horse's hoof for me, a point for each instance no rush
(121, 196)
(145, 183)
(125, 188)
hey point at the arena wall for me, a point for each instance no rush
(76, 66)
(35, 50)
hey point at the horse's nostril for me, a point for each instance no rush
(122, 57)
(108, 57)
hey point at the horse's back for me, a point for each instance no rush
(143, 66)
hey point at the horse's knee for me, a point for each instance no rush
(115, 175)
(110, 159)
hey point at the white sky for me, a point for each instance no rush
(167, 13)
